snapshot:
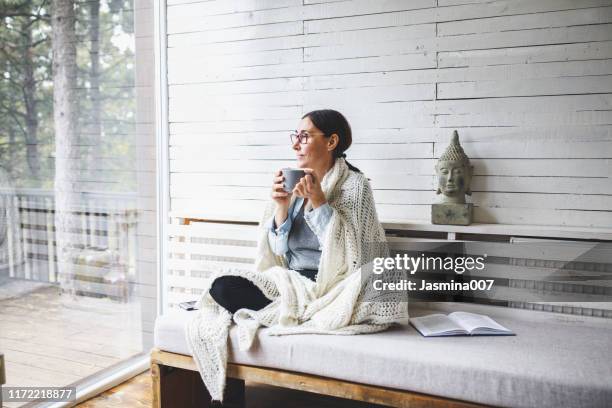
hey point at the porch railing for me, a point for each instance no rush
(105, 242)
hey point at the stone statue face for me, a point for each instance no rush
(454, 179)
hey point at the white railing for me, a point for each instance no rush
(569, 276)
(105, 242)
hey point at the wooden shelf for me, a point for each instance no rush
(549, 231)
(544, 231)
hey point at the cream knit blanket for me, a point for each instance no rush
(337, 303)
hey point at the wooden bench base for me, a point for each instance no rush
(177, 383)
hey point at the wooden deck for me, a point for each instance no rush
(52, 340)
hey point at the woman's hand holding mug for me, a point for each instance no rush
(301, 182)
(310, 188)
(281, 197)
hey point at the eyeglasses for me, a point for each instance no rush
(303, 137)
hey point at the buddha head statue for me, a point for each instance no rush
(454, 173)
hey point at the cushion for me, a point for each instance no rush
(555, 360)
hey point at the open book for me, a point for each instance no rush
(458, 324)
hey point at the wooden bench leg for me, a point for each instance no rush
(176, 387)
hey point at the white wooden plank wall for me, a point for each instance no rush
(527, 83)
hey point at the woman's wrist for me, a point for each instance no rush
(316, 203)
(281, 216)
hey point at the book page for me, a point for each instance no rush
(473, 322)
(436, 325)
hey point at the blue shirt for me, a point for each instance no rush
(317, 219)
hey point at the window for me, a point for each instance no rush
(77, 188)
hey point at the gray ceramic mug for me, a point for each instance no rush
(292, 177)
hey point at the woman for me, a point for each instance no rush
(322, 137)
(311, 249)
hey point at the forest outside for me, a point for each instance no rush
(104, 93)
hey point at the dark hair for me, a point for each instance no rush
(329, 122)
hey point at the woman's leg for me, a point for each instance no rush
(236, 292)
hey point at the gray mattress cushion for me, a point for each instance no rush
(555, 360)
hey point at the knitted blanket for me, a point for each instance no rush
(337, 303)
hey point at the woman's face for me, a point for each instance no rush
(317, 151)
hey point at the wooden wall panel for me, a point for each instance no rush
(528, 85)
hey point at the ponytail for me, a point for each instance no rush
(350, 166)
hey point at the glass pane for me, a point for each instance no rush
(77, 188)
